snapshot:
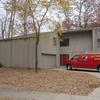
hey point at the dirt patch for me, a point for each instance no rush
(48, 81)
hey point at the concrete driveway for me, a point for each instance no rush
(91, 72)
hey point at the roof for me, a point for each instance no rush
(49, 33)
(79, 30)
(26, 36)
(89, 54)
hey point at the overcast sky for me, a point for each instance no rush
(52, 14)
(2, 11)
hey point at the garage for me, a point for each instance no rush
(48, 60)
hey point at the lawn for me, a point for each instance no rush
(54, 81)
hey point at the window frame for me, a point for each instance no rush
(54, 41)
(65, 42)
(98, 42)
(85, 58)
(73, 58)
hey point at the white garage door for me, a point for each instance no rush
(48, 61)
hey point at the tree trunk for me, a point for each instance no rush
(25, 30)
(36, 52)
(10, 25)
(2, 30)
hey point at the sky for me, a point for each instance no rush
(52, 15)
(2, 11)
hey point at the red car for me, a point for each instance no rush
(86, 61)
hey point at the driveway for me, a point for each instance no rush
(97, 74)
(91, 72)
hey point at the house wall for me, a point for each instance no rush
(48, 52)
(78, 43)
(5, 52)
(21, 52)
(17, 53)
(46, 44)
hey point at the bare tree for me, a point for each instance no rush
(3, 26)
(37, 11)
(84, 13)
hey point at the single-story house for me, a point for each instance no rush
(20, 51)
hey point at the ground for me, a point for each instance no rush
(54, 81)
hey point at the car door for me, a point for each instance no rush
(88, 62)
(75, 61)
(85, 62)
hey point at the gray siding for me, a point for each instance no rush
(20, 52)
(5, 52)
(78, 42)
(23, 53)
(46, 44)
(17, 53)
(47, 55)
(48, 61)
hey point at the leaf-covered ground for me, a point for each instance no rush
(48, 81)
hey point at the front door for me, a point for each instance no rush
(63, 57)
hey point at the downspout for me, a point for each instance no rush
(94, 37)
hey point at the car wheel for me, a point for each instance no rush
(69, 67)
(99, 69)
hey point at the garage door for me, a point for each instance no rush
(48, 60)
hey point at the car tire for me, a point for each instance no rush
(99, 69)
(69, 67)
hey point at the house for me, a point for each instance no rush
(20, 51)
(80, 41)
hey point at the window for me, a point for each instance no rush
(97, 58)
(65, 42)
(54, 41)
(98, 42)
(75, 58)
(85, 58)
